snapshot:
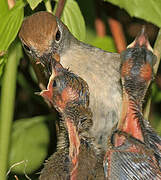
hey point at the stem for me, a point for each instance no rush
(118, 34)
(99, 24)
(7, 108)
(157, 52)
(100, 27)
(60, 8)
(48, 6)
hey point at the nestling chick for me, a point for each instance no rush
(77, 157)
(45, 37)
(135, 149)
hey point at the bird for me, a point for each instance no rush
(77, 156)
(134, 151)
(45, 37)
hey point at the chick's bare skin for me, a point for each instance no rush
(77, 156)
(44, 36)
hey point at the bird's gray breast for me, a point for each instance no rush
(100, 70)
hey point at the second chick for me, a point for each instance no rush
(77, 157)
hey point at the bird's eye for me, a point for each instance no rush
(57, 36)
(26, 48)
(54, 83)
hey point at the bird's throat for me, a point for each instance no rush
(74, 144)
(129, 122)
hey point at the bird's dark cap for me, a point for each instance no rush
(38, 31)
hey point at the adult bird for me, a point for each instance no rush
(77, 156)
(134, 148)
(45, 37)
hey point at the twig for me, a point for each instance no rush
(100, 27)
(99, 24)
(16, 177)
(60, 7)
(157, 52)
(118, 34)
(14, 165)
(17, 164)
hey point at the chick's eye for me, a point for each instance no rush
(57, 36)
(26, 48)
(54, 83)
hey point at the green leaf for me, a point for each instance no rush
(29, 142)
(73, 19)
(10, 22)
(3, 7)
(148, 10)
(105, 43)
(34, 3)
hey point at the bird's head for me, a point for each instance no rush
(65, 89)
(43, 37)
(137, 64)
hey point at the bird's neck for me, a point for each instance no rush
(74, 50)
(74, 145)
(81, 117)
(62, 137)
(73, 117)
(131, 120)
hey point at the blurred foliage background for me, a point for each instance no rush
(27, 127)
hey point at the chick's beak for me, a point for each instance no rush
(141, 40)
(48, 93)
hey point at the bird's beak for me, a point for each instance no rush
(39, 62)
(141, 40)
(51, 62)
